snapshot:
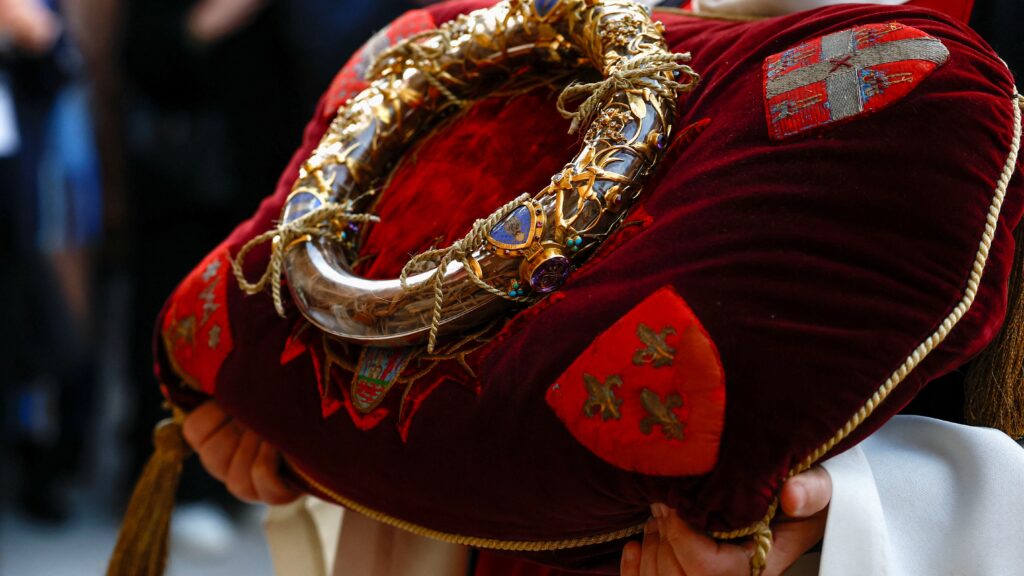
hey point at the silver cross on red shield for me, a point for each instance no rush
(842, 75)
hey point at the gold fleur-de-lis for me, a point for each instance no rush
(601, 397)
(657, 352)
(661, 414)
(213, 339)
(184, 330)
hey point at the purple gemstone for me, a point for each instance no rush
(550, 274)
(660, 142)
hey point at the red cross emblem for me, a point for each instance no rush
(840, 76)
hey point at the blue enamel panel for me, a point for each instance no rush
(515, 229)
(544, 6)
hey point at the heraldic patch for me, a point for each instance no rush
(195, 328)
(836, 78)
(648, 395)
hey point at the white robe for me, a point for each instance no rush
(920, 496)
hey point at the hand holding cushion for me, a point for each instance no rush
(237, 456)
(672, 547)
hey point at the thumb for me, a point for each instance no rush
(807, 493)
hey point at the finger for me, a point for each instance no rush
(696, 552)
(239, 478)
(649, 551)
(215, 451)
(792, 540)
(269, 485)
(203, 422)
(668, 564)
(806, 493)
(630, 565)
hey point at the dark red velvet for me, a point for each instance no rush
(816, 266)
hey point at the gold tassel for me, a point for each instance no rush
(141, 548)
(995, 385)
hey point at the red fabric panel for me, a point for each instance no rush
(195, 326)
(815, 265)
(648, 394)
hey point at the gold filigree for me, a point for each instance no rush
(609, 126)
(661, 414)
(415, 84)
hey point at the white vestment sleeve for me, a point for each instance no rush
(922, 496)
(773, 7)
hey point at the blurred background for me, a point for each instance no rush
(133, 137)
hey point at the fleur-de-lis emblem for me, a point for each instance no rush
(602, 399)
(185, 330)
(660, 414)
(657, 352)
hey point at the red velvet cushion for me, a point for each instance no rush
(814, 266)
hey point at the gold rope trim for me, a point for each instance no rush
(925, 348)
(930, 343)
(761, 530)
(487, 543)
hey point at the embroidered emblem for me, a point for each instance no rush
(846, 74)
(662, 406)
(209, 297)
(376, 373)
(361, 380)
(661, 414)
(657, 353)
(211, 270)
(601, 398)
(195, 329)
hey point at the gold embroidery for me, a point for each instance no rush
(214, 339)
(661, 414)
(211, 270)
(658, 353)
(208, 296)
(185, 330)
(602, 399)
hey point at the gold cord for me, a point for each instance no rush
(635, 74)
(326, 220)
(460, 251)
